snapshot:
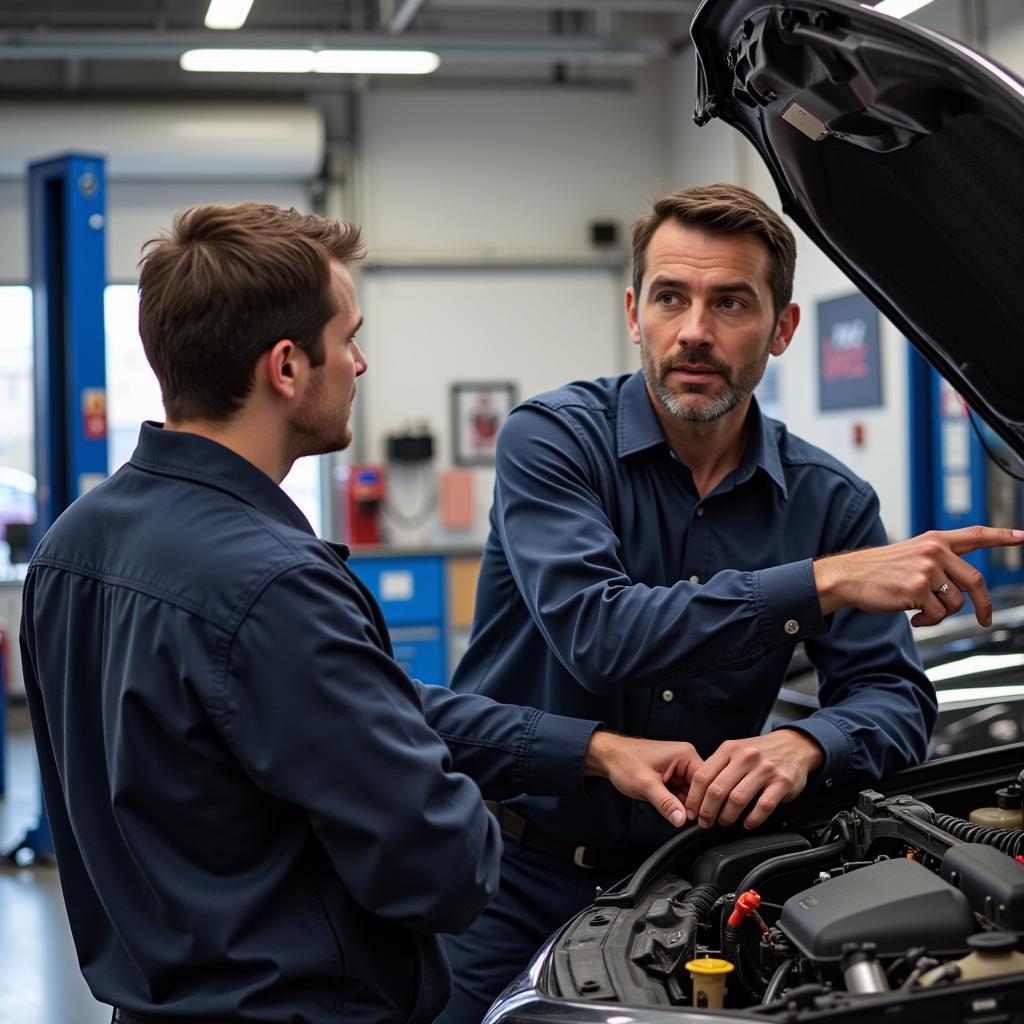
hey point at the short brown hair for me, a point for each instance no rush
(224, 285)
(722, 210)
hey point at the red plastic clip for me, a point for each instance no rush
(1019, 859)
(746, 903)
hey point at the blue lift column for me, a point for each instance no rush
(67, 220)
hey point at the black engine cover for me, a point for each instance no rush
(894, 904)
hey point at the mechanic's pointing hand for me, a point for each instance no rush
(925, 572)
(644, 769)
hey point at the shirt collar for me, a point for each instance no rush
(639, 428)
(191, 457)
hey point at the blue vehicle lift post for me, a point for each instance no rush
(67, 221)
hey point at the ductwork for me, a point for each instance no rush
(169, 142)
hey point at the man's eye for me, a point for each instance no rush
(731, 304)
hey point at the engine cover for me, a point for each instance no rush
(893, 903)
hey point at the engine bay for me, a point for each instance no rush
(893, 906)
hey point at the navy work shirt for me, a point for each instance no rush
(257, 815)
(610, 589)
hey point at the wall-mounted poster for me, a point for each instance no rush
(478, 411)
(767, 392)
(849, 354)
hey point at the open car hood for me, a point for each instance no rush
(901, 154)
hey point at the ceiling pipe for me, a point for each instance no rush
(405, 16)
(685, 7)
(108, 44)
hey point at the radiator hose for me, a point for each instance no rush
(1008, 840)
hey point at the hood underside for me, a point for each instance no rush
(901, 154)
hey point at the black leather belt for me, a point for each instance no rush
(531, 837)
(130, 1017)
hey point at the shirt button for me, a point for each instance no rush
(792, 627)
(828, 782)
(695, 579)
(667, 696)
(700, 511)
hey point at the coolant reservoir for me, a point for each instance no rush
(992, 954)
(1008, 812)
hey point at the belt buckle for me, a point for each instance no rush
(579, 856)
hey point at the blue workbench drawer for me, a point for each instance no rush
(410, 590)
(420, 651)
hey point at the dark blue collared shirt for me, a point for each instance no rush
(609, 589)
(257, 815)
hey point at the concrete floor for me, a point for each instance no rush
(40, 982)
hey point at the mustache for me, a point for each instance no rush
(694, 359)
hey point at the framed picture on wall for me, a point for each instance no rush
(478, 411)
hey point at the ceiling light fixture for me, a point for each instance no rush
(376, 62)
(901, 8)
(326, 62)
(227, 13)
(295, 62)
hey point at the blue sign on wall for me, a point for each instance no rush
(849, 354)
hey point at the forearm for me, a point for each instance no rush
(507, 749)
(877, 704)
(615, 635)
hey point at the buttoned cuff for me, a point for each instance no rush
(559, 746)
(788, 602)
(833, 741)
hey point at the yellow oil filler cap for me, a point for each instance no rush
(708, 976)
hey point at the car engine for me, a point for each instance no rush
(889, 900)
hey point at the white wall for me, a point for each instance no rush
(513, 176)
(428, 329)
(500, 172)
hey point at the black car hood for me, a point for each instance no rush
(901, 154)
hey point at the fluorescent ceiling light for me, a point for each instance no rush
(974, 665)
(298, 62)
(377, 62)
(294, 62)
(227, 13)
(901, 8)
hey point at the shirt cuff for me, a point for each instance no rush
(788, 602)
(833, 741)
(559, 746)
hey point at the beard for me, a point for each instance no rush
(319, 428)
(732, 386)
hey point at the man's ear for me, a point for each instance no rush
(633, 315)
(787, 323)
(286, 364)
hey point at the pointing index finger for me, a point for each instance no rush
(970, 538)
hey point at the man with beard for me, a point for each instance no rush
(657, 549)
(257, 815)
